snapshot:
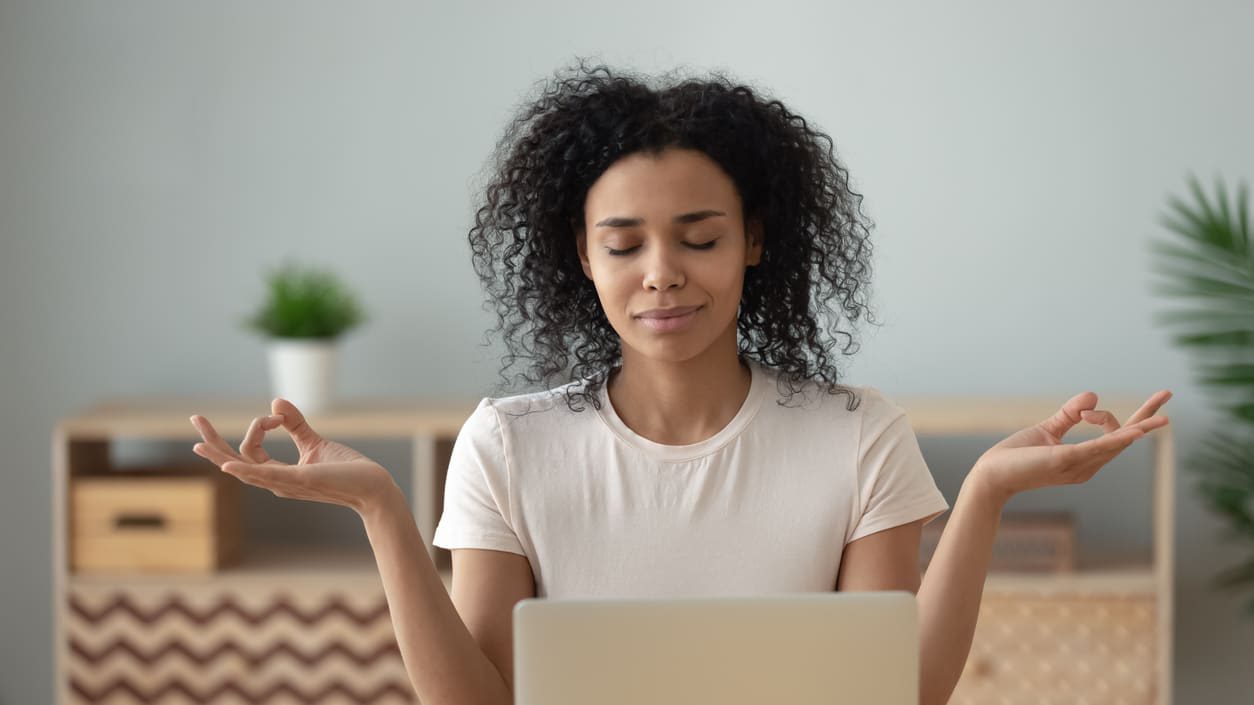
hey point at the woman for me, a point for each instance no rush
(673, 255)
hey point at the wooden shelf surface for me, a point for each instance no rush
(269, 564)
(979, 415)
(263, 564)
(1134, 580)
(167, 418)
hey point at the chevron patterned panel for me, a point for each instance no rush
(234, 644)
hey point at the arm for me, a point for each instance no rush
(451, 658)
(950, 592)
(447, 661)
(949, 599)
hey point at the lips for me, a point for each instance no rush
(668, 320)
(664, 313)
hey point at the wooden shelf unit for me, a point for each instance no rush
(1100, 634)
(1077, 615)
(286, 622)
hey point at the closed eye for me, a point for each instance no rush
(692, 245)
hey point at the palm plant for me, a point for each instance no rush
(1213, 264)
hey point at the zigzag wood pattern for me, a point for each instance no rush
(347, 644)
(227, 605)
(97, 636)
(217, 673)
(173, 688)
(118, 626)
(231, 648)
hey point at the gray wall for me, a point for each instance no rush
(156, 156)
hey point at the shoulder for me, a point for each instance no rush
(879, 406)
(501, 427)
(881, 414)
(530, 410)
(843, 402)
(862, 409)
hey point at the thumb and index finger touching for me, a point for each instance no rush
(1081, 407)
(294, 423)
(216, 449)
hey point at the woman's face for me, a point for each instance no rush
(666, 232)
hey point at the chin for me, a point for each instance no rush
(671, 350)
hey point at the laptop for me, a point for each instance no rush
(789, 649)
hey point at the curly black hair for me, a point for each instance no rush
(816, 242)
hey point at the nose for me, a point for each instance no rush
(661, 272)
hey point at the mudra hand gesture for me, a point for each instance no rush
(1036, 456)
(326, 472)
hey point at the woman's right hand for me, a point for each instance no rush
(326, 472)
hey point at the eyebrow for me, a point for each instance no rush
(679, 219)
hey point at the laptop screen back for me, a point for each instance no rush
(795, 649)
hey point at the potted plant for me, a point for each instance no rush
(1214, 264)
(304, 315)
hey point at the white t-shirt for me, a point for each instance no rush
(765, 505)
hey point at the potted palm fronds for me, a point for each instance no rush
(305, 314)
(1212, 263)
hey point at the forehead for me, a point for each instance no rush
(657, 187)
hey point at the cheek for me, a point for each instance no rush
(725, 280)
(614, 292)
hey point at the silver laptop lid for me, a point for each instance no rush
(795, 649)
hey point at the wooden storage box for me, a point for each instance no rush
(154, 521)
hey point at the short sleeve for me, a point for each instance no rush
(894, 483)
(476, 490)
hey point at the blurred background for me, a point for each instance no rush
(157, 157)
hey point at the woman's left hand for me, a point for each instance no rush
(1037, 457)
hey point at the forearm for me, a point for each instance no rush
(949, 596)
(443, 660)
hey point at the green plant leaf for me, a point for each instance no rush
(1244, 411)
(1193, 226)
(306, 303)
(1203, 207)
(1243, 212)
(1237, 575)
(1235, 374)
(1212, 263)
(1230, 338)
(1211, 286)
(1205, 256)
(1208, 317)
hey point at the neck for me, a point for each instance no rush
(679, 403)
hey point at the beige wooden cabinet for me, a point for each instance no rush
(299, 624)
(285, 624)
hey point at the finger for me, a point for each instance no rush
(1152, 423)
(1112, 443)
(1068, 416)
(251, 449)
(294, 421)
(271, 476)
(213, 454)
(1101, 417)
(1152, 405)
(213, 441)
(1144, 427)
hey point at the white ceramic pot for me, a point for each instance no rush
(303, 372)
